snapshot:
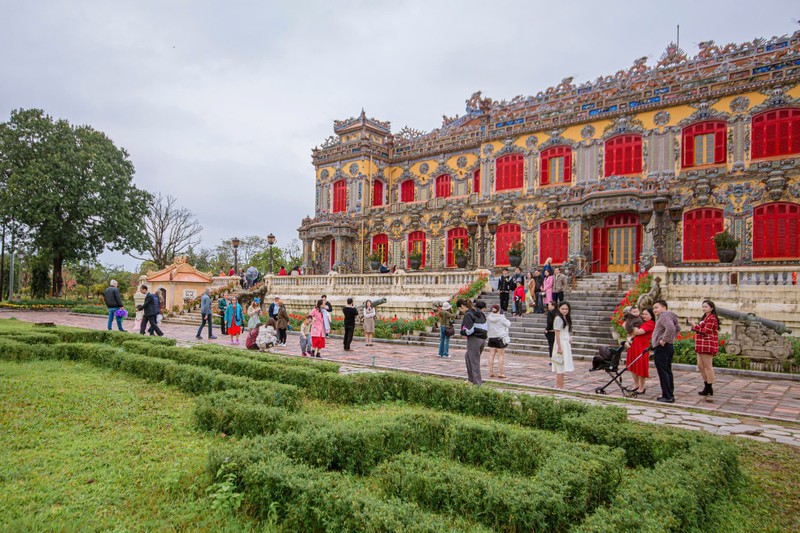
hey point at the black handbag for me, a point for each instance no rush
(449, 331)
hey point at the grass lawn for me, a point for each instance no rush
(84, 448)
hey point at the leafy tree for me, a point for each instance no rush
(40, 277)
(172, 230)
(72, 187)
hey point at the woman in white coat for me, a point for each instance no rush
(498, 339)
(562, 350)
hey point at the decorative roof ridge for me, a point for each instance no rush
(340, 126)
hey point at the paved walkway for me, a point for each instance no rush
(737, 402)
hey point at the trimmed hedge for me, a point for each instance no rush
(237, 412)
(357, 446)
(499, 501)
(239, 366)
(308, 499)
(643, 445)
(673, 496)
(12, 349)
(316, 364)
(188, 378)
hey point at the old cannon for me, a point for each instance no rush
(757, 338)
(375, 303)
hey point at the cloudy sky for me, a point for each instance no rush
(220, 103)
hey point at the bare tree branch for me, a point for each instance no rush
(171, 229)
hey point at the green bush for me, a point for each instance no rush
(499, 501)
(31, 337)
(237, 412)
(644, 445)
(12, 349)
(308, 499)
(321, 366)
(673, 496)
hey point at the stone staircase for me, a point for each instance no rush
(592, 301)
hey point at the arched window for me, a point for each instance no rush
(380, 244)
(476, 182)
(704, 144)
(506, 235)
(556, 165)
(407, 190)
(699, 228)
(416, 243)
(340, 196)
(775, 133)
(554, 241)
(377, 193)
(456, 238)
(443, 186)
(776, 231)
(624, 155)
(508, 172)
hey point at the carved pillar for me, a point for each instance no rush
(531, 173)
(437, 247)
(739, 144)
(575, 226)
(484, 178)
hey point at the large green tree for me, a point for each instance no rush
(72, 187)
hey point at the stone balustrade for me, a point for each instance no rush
(408, 294)
(767, 291)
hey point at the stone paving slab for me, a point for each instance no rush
(733, 395)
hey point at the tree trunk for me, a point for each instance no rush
(58, 279)
(2, 263)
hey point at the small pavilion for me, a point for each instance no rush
(177, 283)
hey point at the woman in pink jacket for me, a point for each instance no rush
(547, 287)
(317, 329)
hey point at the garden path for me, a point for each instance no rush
(738, 403)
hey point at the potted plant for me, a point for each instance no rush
(461, 257)
(375, 260)
(515, 252)
(415, 260)
(726, 246)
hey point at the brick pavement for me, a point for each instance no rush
(739, 395)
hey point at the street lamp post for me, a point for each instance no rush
(472, 229)
(483, 218)
(271, 240)
(659, 231)
(235, 242)
(492, 230)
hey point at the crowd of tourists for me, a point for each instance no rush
(651, 331)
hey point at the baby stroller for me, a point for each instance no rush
(608, 359)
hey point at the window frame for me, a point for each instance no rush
(339, 204)
(552, 153)
(689, 135)
(554, 230)
(763, 126)
(697, 225)
(767, 241)
(509, 172)
(623, 155)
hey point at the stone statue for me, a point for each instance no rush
(757, 338)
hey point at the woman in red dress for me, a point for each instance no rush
(640, 366)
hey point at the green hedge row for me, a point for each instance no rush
(357, 446)
(236, 412)
(316, 364)
(551, 501)
(309, 499)
(188, 378)
(673, 496)
(644, 445)
(229, 364)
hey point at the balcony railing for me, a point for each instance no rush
(385, 284)
(734, 275)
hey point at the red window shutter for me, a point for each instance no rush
(377, 193)
(443, 186)
(407, 191)
(720, 143)
(452, 236)
(476, 182)
(544, 174)
(776, 231)
(507, 234)
(509, 172)
(414, 238)
(688, 148)
(380, 243)
(567, 165)
(554, 241)
(340, 196)
(699, 228)
(776, 133)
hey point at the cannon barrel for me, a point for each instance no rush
(777, 327)
(375, 303)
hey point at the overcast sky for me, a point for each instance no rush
(220, 103)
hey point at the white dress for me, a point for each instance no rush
(566, 348)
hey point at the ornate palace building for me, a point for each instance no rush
(644, 165)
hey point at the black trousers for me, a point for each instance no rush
(558, 297)
(551, 340)
(153, 326)
(206, 318)
(348, 336)
(504, 301)
(282, 335)
(662, 357)
(223, 327)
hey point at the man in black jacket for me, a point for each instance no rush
(150, 308)
(475, 329)
(505, 285)
(114, 303)
(549, 329)
(538, 294)
(350, 314)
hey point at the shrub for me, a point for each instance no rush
(236, 412)
(308, 499)
(12, 349)
(321, 366)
